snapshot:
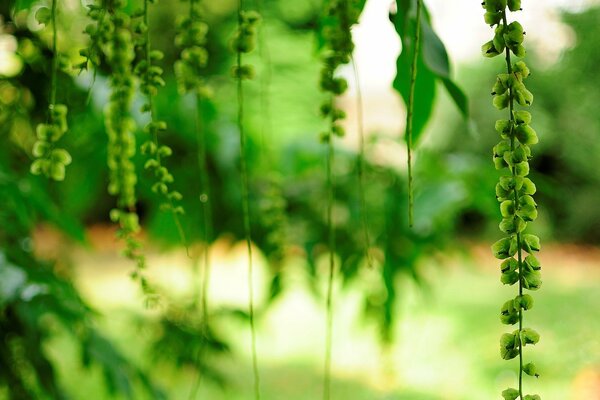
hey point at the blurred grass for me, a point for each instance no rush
(446, 342)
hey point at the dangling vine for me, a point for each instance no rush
(244, 42)
(111, 35)
(191, 39)
(339, 47)
(361, 165)
(51, 161)
(151, 79)
(410, 110)
(514, 191)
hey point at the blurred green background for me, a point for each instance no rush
(421, 323)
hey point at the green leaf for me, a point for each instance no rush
(459, 97)
(432, 64)
(532, 397)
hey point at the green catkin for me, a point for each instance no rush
(189, 69)
(339, 48)
(514, 191)
(244, 42)
(409, 112)
(111, 35)
(150, 82)
(51, 161)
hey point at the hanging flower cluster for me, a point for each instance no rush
(244, 41)
(151, 80)
(111, 40)
(51, 161)
(339, 48)
(514, 190)
(191, 39)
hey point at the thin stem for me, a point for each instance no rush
(516, 197)
(409, 113)
(361, 164)
(246, 212)
(265, 81)
(331, 235)
(207, 237)
(54, 55)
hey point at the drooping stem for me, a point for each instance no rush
(361, 164)
(409, 112)
(246, 212)
(265, 82)
(516, 197)
(152, 110)
(331, 272)
(54, 55)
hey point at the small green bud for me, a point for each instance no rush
(526, 134)
(510, 182)
(165, 151)
(514, 5)
(532, 280)
(501, 249)
(57, 171)
(518, 50)
(512, 225)
(40, 148)
(509, 346)
(489, 50)
(530, 243)
(522, 168)
(38, 167)
(510, 394)
(60, 156)
(522, 117)
(525, 301)
(528, 187)
(509, 265)
(533, 262)
(501, 101)
(503, 126)
(523, 96)
(529, 336)
(514, 34)
(43, 15)
(521, 68)
(502, 193)
(492, 17)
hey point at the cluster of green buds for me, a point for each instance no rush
(514, 191)
(340, 46)
(99, 32)
(118, 49)
(51, 161)
(244, 41)
(191, 39)
(151, 80)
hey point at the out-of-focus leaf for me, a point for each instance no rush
(432, 64)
